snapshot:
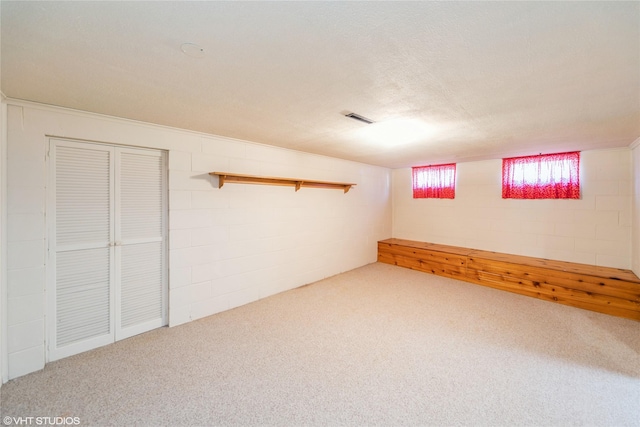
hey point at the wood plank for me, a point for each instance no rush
(606, 309)
(424, 254)
(423, 266)
(430, 246)
(605, 286)
(570, 267)
(557, 291)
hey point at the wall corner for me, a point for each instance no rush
(635, 206)
(4, 367)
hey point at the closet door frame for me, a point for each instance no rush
(52, 352)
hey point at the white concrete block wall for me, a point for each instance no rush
(635, 217)
(25, 250)
(4, 372)
(228, 246)
(593, 230)
(243, 242)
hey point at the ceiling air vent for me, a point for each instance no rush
(358, 117)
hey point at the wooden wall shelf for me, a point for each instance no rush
(225, 177)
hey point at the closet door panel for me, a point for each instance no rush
(140, 229)
(80, 249)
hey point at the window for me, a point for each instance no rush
(548, 176)
(434, 182)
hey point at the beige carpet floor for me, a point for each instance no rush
(379, 345)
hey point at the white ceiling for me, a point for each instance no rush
(488, 79)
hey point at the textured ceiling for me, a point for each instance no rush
(480, 79)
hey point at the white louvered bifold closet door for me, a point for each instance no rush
(107, 245)
(80, 248)
(140, 232)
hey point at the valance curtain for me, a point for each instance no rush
(434, 182)
(548, 176)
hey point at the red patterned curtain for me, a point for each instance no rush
(434, 182)
(547, 176)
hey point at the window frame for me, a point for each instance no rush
(443, 191)
(550, 182)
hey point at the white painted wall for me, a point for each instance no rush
(635, 245)
(228, 246)
(4, 373)
(3, 211)
(593, 230)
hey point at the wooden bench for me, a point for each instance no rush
(606, 290)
